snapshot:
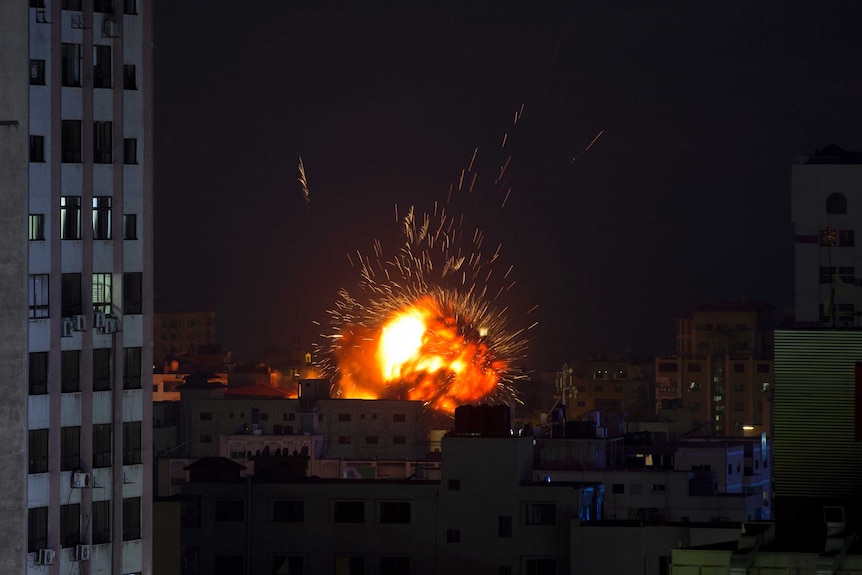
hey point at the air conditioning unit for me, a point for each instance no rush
(112, 325)
(68, 327)
(45, 557)
(80, 322)
(99, 320)
(82, 552)
(80, 479)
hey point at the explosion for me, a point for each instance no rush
(427, 325)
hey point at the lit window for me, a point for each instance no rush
(102, 293)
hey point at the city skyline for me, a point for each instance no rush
(690, 117)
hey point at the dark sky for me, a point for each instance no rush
(683, 200)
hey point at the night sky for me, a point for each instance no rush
(683, 200)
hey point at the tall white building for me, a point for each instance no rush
(76, 297)
(827, 211)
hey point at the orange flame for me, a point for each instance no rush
(423, 352)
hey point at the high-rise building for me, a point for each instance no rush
(826, 187)
(76, 297)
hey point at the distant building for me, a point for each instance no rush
(622, 386)
(182, 332)
(826, 210)
(76, 183)
(721, 377)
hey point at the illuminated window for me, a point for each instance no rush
(828, 238)
(102, 293)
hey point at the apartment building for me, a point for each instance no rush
(76, 177)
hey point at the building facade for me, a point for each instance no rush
(78, 170)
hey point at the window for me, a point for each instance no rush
(102, 293)
(344, 417)
(38, 295)
(598, 388)
(71, 298)
(739, 368)
(762, 368)
(394, 565)
(37, 529)
(344, 440)
(847, 274)
(36, 227)
(540, 566)
(71, 65)
(102, 142)
(37, 72)
(72, 5)
(453, 536)
(730, 469)
(399, 440)
(70, 448)
(288, 511)
(504, 526)
(101, 522)
(37, 149)
(39, 373)
(205, 416)
(101, 66)
(600, 374)
(101, 369)
(540, 514)
(130, 226)
(399, 418)
(287, 565)
(131, 518)
(453, 485)
(130, 150)
(828, 238)
(38, 451)
(847, 238)
(130, 6)
(106, 6)
(133, 297)
(131, 442)
(618, 488)
(70, 525)
(70, 217)
(102, 443)
(70, 371)
(371, 439)
(395, 512)
(348, 512)
(836, 204)
(130, 77)
(658, 487)
(665, 367)
(347, 565)
(694, 367)
(132, 368)
(101, 217)
(229, 510)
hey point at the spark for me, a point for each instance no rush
(304, 182)
(587, 149)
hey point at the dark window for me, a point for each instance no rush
(344, 417)
(70, 369)
(71, 296)
(39, 373)
(37, 227)
(668, 367)
(130, 6)
(395, 566)
(70, 525)
(540, 514)
(37, 149)
(453, 484)
(395, 512)
(229, 565)
(847, 238)
(102, 445)
(348, 512)
(349, 565)
(453, 536)
(344, 440)
(133, 297)
(190, 511)
(37, 3)
(70, 217)
(101, 66)
(826, 274)
(131, 442)
(72, 5)
(101, 217)
(38, 451)
(70, 448)
(658, 487)
(229, 510)
(504, 526)
(130, 226)
(102, 142)
(105, 6)
(130, 77)
(618, 488)
(101, 369)
(130, 150)
(132, 368)
(205, 416)
(71, 68)
(371, 439)
(101, 522)
(38, 296)
(288, 511)
(540, 566)
(739, 368)
(399, 440)
(399, 418)
(836, 204)
(37, 529)
(287, 565)
(762, 368)
(131, 518)
(694, 367)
